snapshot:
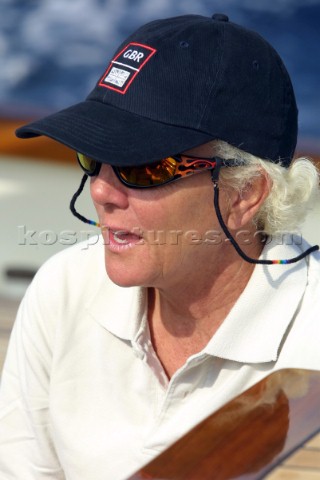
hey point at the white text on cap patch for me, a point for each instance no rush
(125, 66)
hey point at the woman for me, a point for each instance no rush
(193, 293)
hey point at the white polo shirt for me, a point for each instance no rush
(83, 394)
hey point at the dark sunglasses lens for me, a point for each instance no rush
(88, 165)
(156, 173)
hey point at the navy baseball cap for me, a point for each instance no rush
(177, 83)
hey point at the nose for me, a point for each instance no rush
(107, 190)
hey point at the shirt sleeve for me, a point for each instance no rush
(26, 445)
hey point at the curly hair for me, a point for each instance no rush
(293, 190)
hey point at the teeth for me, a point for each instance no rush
(119, 239)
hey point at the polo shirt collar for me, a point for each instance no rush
(120, 310)
(256, 325)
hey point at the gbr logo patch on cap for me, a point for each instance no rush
(125, 66)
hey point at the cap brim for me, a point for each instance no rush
(111, 135)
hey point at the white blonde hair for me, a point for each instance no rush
(293, 190)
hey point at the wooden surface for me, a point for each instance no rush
(251, 436)
(304, 464)
(8, 310)
(41, 148)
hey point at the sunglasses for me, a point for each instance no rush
(154, 174)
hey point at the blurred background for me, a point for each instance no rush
(52, 52)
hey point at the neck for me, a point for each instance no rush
(183, 319)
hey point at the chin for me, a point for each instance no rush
(131, 270)
(125, 277)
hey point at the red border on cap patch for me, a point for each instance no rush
(125, 66)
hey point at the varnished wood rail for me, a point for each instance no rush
(250, 436)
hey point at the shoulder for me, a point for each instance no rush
(310, 304)
(301, 347)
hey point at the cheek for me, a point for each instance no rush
(187, 211)
(198, 209)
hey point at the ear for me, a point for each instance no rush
(242, 208)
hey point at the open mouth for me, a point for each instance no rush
(123, 237)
